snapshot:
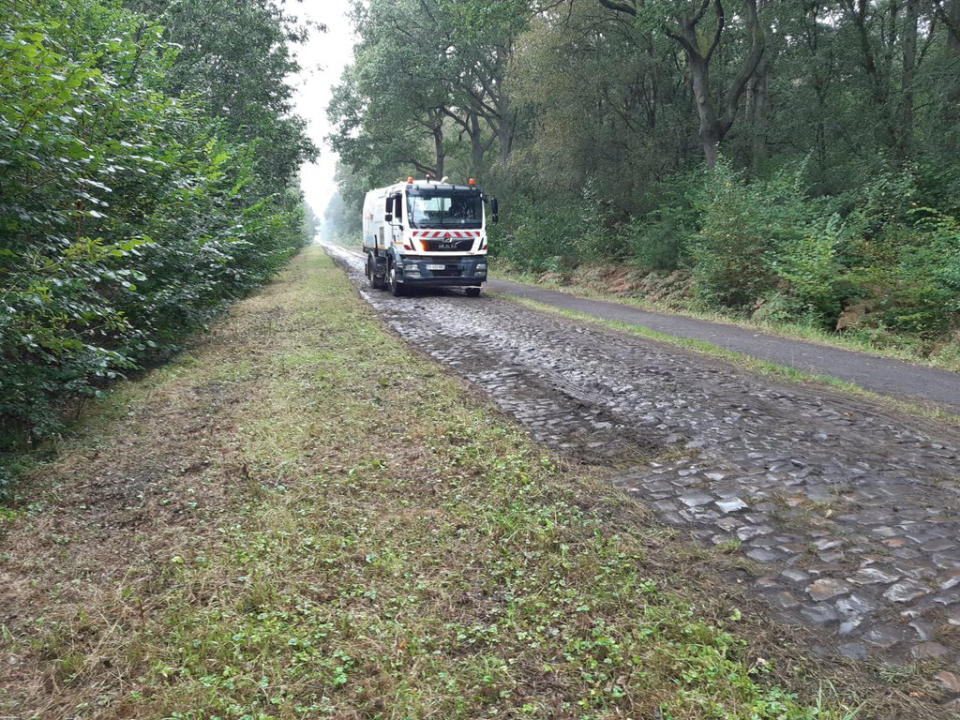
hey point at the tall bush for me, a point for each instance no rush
(543, 236)
(660, 237)
(738, 230)
(766, 239)
(127, 216)
(550, 236)
(918, 290)
(809, 274)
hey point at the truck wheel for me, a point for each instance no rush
(371, 271)
(472, 292)
(396, 288)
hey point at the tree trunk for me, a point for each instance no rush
(877, 72)
(757, 119)
(699, 52)
(710, 135)
(905, 140)
(507, 129)
(953, 50)
(714, 128)
(757, 108)
(508, 133)
(477, 149)
(438, 143)
(953, 40)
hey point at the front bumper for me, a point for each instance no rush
(442, 271)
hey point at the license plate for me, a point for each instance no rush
(436, 267)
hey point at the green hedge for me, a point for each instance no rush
(127, 216)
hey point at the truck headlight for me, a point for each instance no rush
(481, 266)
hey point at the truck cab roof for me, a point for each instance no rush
(425, 185)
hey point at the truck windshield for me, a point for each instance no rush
(429, 209)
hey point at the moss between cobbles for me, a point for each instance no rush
(347, 532)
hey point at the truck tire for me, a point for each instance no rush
(396, 288)
(371, 274)
(472, 292)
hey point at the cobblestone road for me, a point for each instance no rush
(850, 512)
(917, 384)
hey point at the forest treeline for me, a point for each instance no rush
(799, 158)
(148, 176)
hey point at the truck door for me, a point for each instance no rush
(395, 208)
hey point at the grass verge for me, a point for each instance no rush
(302, 519)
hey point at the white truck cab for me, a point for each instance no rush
(424, 233)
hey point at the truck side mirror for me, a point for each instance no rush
(494, 211)
(388, 217)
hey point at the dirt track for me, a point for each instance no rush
(850, 514)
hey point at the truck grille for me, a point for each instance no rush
(447, 245)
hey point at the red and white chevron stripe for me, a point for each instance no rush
(445, 234)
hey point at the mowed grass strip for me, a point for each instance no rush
(325, 525)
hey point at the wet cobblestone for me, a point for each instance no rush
(852, 513)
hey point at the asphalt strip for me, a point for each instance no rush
(892, 378)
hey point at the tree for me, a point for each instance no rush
(236, 57)
(482, 37)
(686, 23)
(392, 102)
(424, 72)
(948, 13)
(604, 108)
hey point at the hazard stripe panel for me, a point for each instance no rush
(440, 234)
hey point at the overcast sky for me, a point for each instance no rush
(323, 58)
